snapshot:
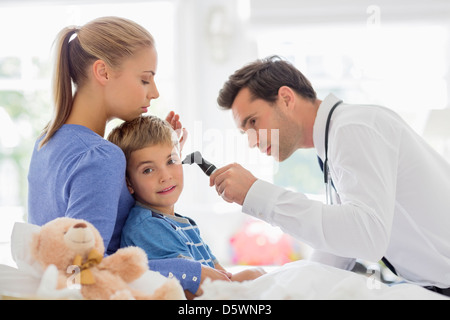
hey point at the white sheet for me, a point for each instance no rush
(303, 280)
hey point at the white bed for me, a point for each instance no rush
(305, 280)
(297, 280)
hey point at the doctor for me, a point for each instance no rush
(392, 190)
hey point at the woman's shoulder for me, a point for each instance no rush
(85, 137)
(76, 147)
(83, 142)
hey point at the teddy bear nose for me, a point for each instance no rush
(80, 225)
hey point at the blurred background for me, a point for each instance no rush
(393, 53)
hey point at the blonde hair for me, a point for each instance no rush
(142, 132)
(110, 39)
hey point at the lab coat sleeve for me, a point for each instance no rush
(293, 212)
(360, 226)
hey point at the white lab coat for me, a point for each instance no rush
(394, 192)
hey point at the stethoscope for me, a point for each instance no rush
(326, 170)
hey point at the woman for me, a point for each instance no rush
(74, 171)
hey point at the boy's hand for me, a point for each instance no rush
(249, 274)
(174, 120)
(213, 274)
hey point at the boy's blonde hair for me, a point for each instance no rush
(142, 132)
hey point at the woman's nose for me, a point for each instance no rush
(153, 92)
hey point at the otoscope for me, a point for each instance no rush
(196, 157)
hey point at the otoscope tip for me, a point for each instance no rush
(195, 157)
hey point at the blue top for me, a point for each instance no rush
(79, 174)
(166, 239)
(163, 236)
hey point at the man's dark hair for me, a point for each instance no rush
(264, 78)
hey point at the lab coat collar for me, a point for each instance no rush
(321, 122)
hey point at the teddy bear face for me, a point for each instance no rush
(79, 238)
(60, 240)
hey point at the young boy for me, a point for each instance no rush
(154, 177)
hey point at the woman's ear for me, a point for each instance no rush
(100, 71)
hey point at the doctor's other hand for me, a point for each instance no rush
(174, 120)
(232, 182)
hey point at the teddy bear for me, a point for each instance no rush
(76, 248)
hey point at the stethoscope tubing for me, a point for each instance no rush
(326, 171)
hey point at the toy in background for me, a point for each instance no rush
(259, 244)
(76, 248)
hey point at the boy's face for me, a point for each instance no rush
(155, 176)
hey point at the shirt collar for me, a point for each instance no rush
(176, 217)
(321, 122)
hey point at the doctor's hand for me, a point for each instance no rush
(232, 182)
(174, 120)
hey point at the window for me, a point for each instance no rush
(400, 66)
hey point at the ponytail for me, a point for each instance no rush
(62, 85)
(110, 39)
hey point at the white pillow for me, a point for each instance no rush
(21, 238)
(24, 280)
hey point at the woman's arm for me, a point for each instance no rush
(95, 188)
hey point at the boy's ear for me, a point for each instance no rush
(130, 188)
